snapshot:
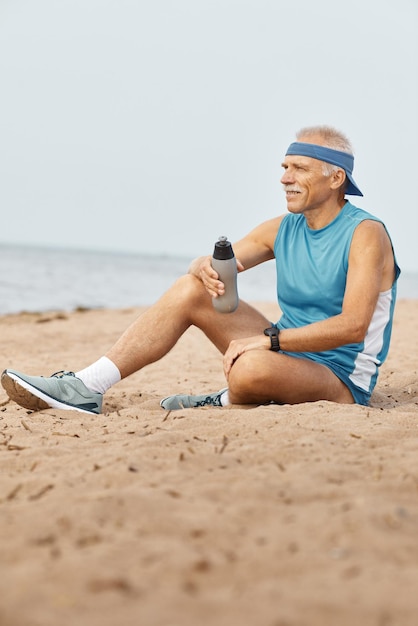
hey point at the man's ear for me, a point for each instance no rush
(338, 178)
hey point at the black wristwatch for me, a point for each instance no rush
(273, 333)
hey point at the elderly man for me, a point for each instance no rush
(336, 287)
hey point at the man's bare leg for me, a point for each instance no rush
(259, 376)
(159, 328)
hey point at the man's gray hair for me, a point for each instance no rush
(332, 138)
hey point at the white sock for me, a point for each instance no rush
(100, 376)
(225, 398)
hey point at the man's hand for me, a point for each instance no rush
(239, 346)
(203, 270)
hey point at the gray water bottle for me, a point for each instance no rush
(224, 263)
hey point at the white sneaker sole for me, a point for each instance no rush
(34, 399)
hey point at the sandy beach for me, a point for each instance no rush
(300, 515)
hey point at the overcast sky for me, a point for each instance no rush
(158, 125)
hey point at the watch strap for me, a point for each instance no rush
(273, 333)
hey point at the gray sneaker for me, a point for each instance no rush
(62, 390)
(172, 403)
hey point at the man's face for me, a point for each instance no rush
(304, 183)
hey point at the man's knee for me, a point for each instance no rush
(189, 288)
(246, 374)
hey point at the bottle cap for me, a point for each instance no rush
(223, 249)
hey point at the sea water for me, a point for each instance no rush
(36, 279)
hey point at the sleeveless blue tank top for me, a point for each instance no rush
(311, 277)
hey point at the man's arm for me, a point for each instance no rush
(251, 250)
(258, 246)
(370, 270)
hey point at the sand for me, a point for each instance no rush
(267, 516)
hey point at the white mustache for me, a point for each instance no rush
(291, 188)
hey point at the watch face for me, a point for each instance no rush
(271, 331)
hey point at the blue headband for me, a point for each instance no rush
(335, 157)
